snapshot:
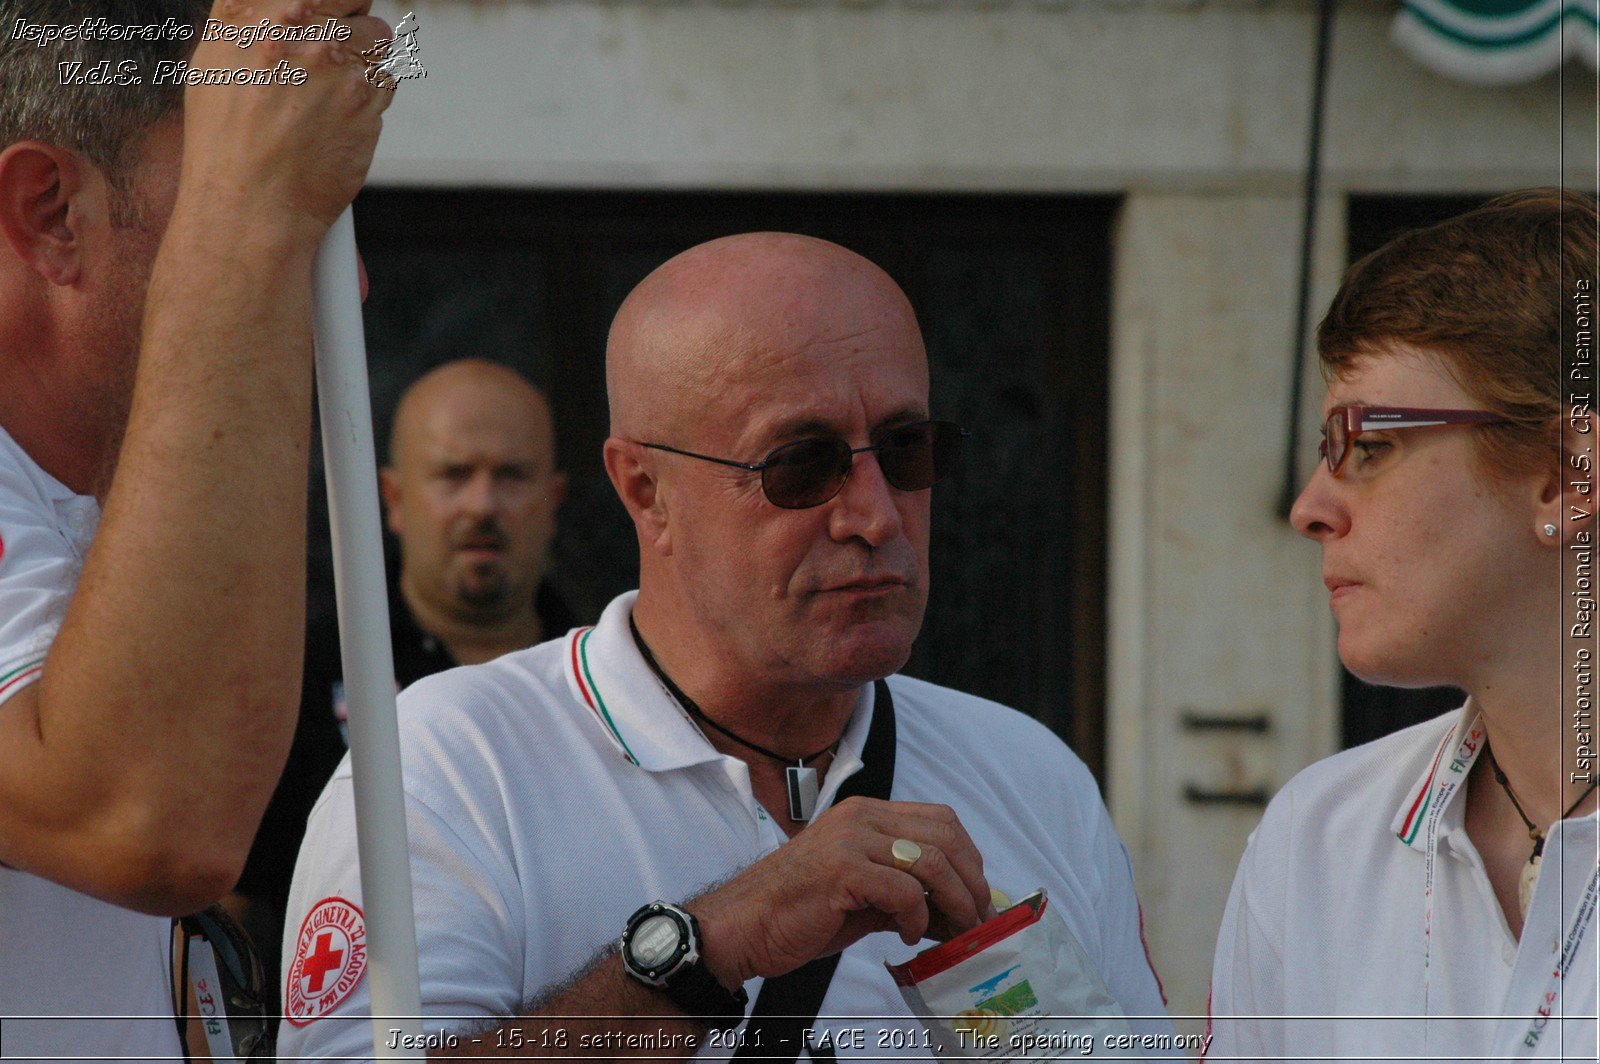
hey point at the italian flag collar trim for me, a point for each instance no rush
(591, 694)
(1462, 744)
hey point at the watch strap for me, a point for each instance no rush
(699, 993)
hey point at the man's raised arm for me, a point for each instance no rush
(136, 768)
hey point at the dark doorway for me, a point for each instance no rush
(1013, 296)
(1371, 712)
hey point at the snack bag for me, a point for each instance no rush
(1017, 987)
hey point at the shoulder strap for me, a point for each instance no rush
(788, 1004)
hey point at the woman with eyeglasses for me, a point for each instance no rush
(1433, 894)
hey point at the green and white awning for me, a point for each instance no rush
(1498, 42)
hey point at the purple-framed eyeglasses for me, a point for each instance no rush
(1346, 423)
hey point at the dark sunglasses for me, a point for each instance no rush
(1346, 423)
(809, 472)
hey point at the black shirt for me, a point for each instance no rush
(320, 739)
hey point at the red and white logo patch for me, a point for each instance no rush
(330, 957)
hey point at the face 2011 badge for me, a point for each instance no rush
(330, 957)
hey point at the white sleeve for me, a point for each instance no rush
(469, 932)
(38, 571)
(1247, 975)
(1125, 962)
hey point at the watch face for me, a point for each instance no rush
(655, 941)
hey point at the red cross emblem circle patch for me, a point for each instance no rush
(330, 957)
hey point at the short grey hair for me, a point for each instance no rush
(106, 124)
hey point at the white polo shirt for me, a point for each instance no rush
(85, 970)
(1330, 919)
(552, 792)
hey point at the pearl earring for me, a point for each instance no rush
(1550, 530)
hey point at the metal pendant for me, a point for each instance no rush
(1525, 885)
(802, 793)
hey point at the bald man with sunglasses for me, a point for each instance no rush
(717, 785)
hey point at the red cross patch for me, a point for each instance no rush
(330, 957)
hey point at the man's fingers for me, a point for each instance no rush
(308, 10)
(366, 32)
(837, 880)
(938, 827)
(338, 8)
(240, 12)
(965, 860)
(899, 897)
(947, 893)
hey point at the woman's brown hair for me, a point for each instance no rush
(1503, 296)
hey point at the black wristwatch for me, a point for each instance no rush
(661, 949)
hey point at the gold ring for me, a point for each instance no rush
(905, 853)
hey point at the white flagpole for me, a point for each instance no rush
(345, 407)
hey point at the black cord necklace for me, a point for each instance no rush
(801, 777)
(1530, 871)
